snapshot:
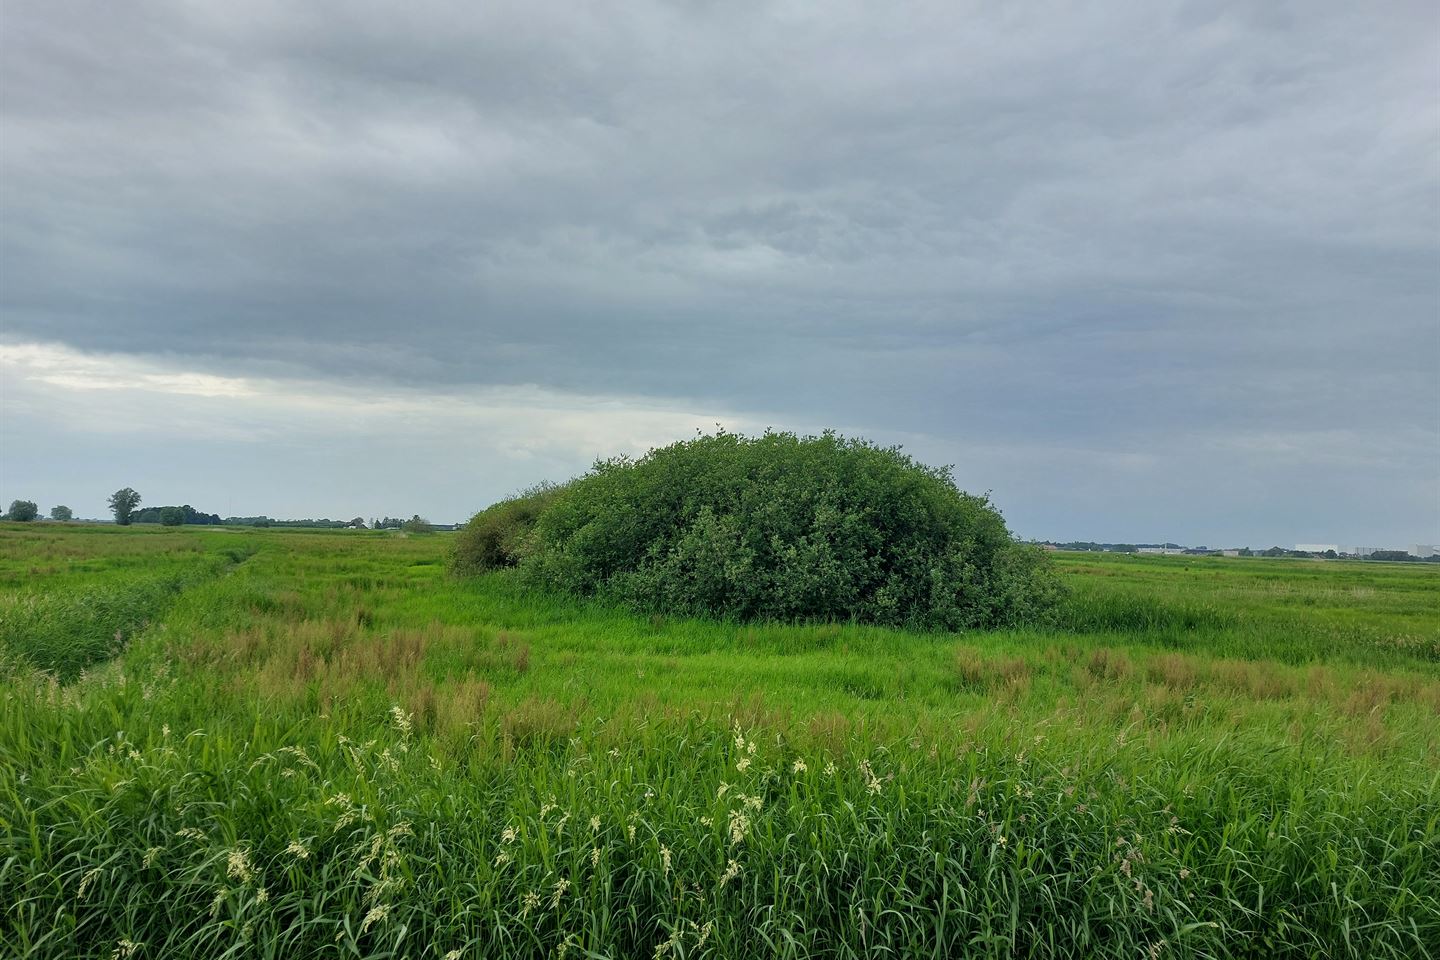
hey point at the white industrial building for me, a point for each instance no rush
(1316, 547)
(1421, 550)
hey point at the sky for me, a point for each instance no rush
(1144, 271)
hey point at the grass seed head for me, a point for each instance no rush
(377, 914)
(238, 866)
(85, 882)
(732, 870)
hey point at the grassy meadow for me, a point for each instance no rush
(289, 743)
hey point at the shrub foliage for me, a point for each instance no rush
(775, 527)
(497, 536)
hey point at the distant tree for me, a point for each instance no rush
(418, 524)
(189, 515)
(172, 516)
(1391, 555)
(201, 519)
(22, 510)
(1331, 555)
(1246, 552)
(123, 503)
(61, 513)
(358, 523)
(323, 523)
(1125, 548)
(1275, 552)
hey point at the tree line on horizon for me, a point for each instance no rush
(1090, 546)
(124, 504)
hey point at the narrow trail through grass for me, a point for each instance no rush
(65, 628)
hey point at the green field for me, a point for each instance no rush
(247, 743)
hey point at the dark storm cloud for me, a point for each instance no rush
(1105, 231)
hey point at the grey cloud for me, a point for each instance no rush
(1080, 229)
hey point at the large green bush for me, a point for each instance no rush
(774, 527)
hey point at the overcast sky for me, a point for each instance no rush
(1145, 271)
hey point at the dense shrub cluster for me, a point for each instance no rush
(496, 537)
(773, 527)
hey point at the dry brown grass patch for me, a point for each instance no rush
(1174, 670)
(832, 730)
(1108, 664)
(460, 706)
(1258, 680)
(534, 721)
(975, 671)
(1370, 696)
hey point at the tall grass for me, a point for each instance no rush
(339, 751)
(688, 839)
(1258, 608)
(68, 630)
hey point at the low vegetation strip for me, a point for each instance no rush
(65, 631)
(1297, 612)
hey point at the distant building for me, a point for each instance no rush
(1316, 547)
(1414, 550)
(1167, 551)
(1229, 553)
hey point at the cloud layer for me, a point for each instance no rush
(321, 447)
(1171, 270)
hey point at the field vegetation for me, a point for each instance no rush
(282, 743)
